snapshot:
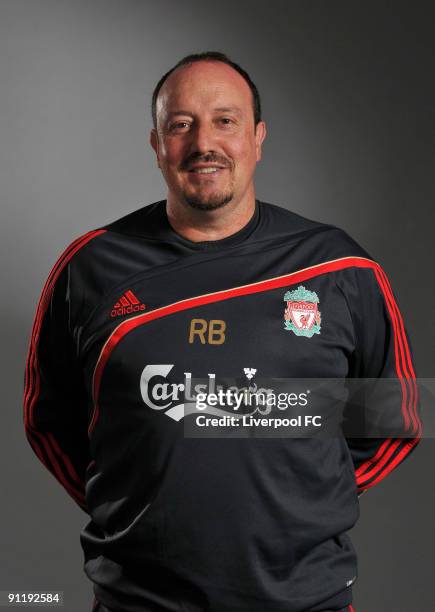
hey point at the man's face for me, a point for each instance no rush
(206, 141)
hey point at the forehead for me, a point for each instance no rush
(203, 85)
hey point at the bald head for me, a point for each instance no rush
(203, 84)
(215, 56)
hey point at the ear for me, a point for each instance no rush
(154, 142)
(260, 135)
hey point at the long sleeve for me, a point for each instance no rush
(382, 350)
(54, 403)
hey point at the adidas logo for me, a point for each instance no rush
(127, 304)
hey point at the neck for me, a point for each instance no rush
(204, 225)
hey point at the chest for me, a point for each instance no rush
(155, 333)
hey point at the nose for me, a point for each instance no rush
(203, 139)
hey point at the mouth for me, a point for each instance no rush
(206, 169)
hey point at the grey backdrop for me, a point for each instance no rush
(347, 90)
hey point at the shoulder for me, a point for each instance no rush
(102, 242)
(331, 240)
(73, 251)
(142, 222)
(98, 259)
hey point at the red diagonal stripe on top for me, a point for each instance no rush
(274, 283)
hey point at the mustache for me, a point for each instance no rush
(208, 157)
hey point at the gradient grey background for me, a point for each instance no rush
(347, 90)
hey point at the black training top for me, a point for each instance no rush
(129, 316)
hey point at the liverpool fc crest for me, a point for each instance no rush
(301, 315)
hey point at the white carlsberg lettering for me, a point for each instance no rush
(158, 391)
(180, 399)
(199, 388)
(161, 395)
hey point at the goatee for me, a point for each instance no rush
(212, 202)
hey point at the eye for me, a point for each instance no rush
(226, 120)
(180, 125)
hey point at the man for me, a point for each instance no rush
(211, 282)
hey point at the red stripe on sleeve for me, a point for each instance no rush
(383, 463)
(54, 459)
